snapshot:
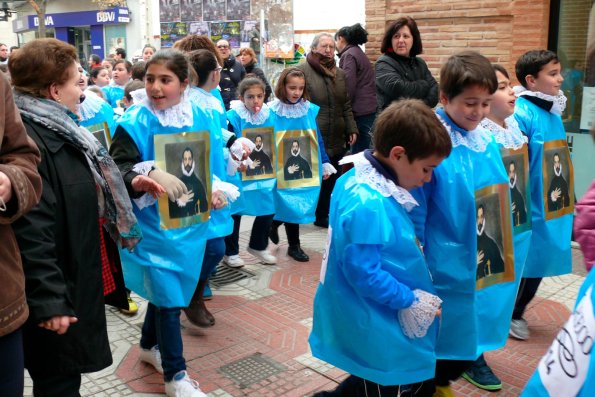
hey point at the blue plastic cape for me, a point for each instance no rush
(103, 118)
(113, 94)
(164, 268)
(354, 329)
(550, 242)
(568, 367)
(476, 306)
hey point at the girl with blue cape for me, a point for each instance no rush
(98, 117)
(302, 161)
(120, 76)
(161, 141)
(375, 307)
(464, 221)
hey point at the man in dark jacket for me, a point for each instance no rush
(232, 73)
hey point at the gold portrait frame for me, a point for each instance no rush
(200, 143)
(524, 154)
(102, 133)
(270, 133)
(500, 191)
(281, 138)
(559, 146)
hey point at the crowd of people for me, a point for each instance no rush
(442, 222)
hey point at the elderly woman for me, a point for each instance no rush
(248, 59)
(328, 89)
(400, 73)
(67, 240)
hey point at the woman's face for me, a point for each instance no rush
(326, 47)
(402, 41)
(245, 58)
(102, 78)
(68, 93)
(147, 53)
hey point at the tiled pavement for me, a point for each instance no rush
(269, 316)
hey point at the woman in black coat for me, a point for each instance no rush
(248, 59)
(400, 73)
(67, 240)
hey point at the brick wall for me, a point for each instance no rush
(501, 30)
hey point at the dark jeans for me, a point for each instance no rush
(353, 386)
(162, 328)
(12, 364)
(324, 200)
(527, 290)
(214, 252)
(292, 230)
(259, 236)
(365, 125)
(449, 370)
(56, 385)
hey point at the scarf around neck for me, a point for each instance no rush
(322, 65)
(114, 202)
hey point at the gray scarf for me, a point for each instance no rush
(114, 202)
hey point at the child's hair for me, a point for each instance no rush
(138, 70)
(96, 90)
(198, 42)
(121, 52)
(466, 69)
(414, 126)
(203, 62)
(248, 83)
(132, 86)
(94, 73)
(355, 34)
(112, 61)
(148, 46)
(531, 62)
(280, 91)
(499, 68)
(173, 60)
(126, 63)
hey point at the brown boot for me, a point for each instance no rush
(197, 312)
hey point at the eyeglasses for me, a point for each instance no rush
(223, 47)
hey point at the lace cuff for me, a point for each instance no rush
(143, 168)
(328, 169)
(417, 318)
(231, 191)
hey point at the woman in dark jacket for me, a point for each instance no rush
(400, 73)
(359, 77)
(66, 240)
(247, 58)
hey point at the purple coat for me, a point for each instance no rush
(361, 83)
(584, 225)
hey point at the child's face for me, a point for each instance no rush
(469, 107)
(102, 78)
(108, 65)
(548, 80)
(413, 174)
(503, 100)
(120, 74)
(253, 98)
(294, 88)
(164, 88)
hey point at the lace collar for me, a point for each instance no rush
(246, 115)
(476, 140)
(366, 173)
(510, 137)
(291, 110)
(90, 106)
(177, 116)
(205, 100)
(558, 102)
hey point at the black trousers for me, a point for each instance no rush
(56, 385)
(292, 230)
(527, 290)
(358, 387)
(259, 236)
(449, 370)
(324, 200)
(12, 364)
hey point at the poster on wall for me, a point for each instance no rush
(213, 10)
(115, 42)
(199, 28)
(172, 32)
(191, 10)
(238, 10)
(588, 108)
(280, 30)
(229, 31)
(169, 10)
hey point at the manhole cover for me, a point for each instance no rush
(252, 369)
(229, 275)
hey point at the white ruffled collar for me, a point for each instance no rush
(510, 137)
(366, 173)
(476, 140)
(558, 101)
(90, 106)
(291, 110)
(246, 115)
(205, 100)
(177, 116)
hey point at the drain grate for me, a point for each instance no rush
(252, 369)
(228, 275)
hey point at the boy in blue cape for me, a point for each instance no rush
(375, 306)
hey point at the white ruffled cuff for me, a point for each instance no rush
(143, 168)
(231, 191)
(417, 318)
(328, 169)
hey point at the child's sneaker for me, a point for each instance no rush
(519, 329)
(183, 386)
(233, 261)
(264, 256)
(152, 357)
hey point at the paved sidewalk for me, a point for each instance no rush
(258, 346)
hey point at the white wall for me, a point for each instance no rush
(6, 35)
(327, 15)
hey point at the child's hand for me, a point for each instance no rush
(141, 183)
(5, 190)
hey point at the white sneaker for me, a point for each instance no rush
(264, 256)
(183, 386)
(152, 357)
(233, 261)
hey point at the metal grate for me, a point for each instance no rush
(228, 275)
(252, 369)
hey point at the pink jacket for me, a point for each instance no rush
(584, 225)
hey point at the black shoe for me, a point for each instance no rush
(321, 222)
(297, 253)
(274, 234)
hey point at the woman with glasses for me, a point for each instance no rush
(233, 72)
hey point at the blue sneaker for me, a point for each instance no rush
(481, 375)
(207, 294)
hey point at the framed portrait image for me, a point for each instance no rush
(558, 179)
(297, 159)
(186, 156)
(495, 256)
(263, 155)
(516, 163)
(102, 133)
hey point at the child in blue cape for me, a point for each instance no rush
(296, 205)
(538, 111)
(121, 74)
(166, 277)
(375, 307)
(464, 222)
